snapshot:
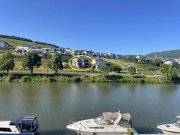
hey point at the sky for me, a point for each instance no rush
(111, 26)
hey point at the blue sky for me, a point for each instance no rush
(116, 26)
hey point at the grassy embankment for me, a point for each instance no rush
(43, 74)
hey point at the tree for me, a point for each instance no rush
(110, 67)
(157, 62)
(142, 60)
(132, 59)
(132, 70)
(106, 67)
(116, 68)
(169, 72)
(172, 74)
(164, 69)
(7, 62)
(56, 62)
(31, 60)
(176, 65)
(65, 58)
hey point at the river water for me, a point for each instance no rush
(56, 104)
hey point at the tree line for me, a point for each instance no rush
(30, 61)
(16, 38)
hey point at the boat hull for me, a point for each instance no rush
(100, 133)
(168, 133)
(105, 133)
(19, 133)
(169, 129)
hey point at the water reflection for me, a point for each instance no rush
(168, 89)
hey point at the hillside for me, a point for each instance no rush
(14, 41)
(168, 54)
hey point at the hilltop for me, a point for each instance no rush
(167, 54)
(14, 41)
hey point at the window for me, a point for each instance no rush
(26, 127)
(5, 130)
(86, 60)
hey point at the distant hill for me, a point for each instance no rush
(14, 41)
(168, 54)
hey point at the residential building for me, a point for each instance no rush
(23, 49)
(4, 44)
(38, 51)
(168, 62)
(99, 63)
(46, 50)
(68, 51)
(88, 53)
(58, 50)
(77, 52)
(81, 62)
(177, 60)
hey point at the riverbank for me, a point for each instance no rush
(40, 77)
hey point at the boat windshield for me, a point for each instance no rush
(100, 121)
(108, 118)
(177, 124)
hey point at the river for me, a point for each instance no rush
(56, 103)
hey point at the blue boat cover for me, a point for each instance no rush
(16, 121)
(24, 120)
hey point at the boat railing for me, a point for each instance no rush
(73, 120)
(162, 123)
(171, 122)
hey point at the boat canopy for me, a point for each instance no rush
(111, 117)
(126, 116)
(26, 124)
(178, 116)
(24, 120)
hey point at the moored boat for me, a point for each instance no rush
(170, 128)
(27, 125)
(107, 123)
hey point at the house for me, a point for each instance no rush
(81, 62)
(23, 49)
(53, 50)
(177, 60)
(168, 62)
(46, 50)
(68, 51)
(99, 63)
(4, 44)
(117, 56)
(111, 56)
(58, 50)
(77, 52)
(38, 51)
(88, 53)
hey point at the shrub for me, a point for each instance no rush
(9, 78)
(51, 79)
(76, 79)
(26, 79)
(113, 77)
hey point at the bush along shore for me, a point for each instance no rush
(17, 77)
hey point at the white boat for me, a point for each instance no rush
(27, 125)
(107, 123)
(171, 128)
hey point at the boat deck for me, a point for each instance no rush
(4, 123)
